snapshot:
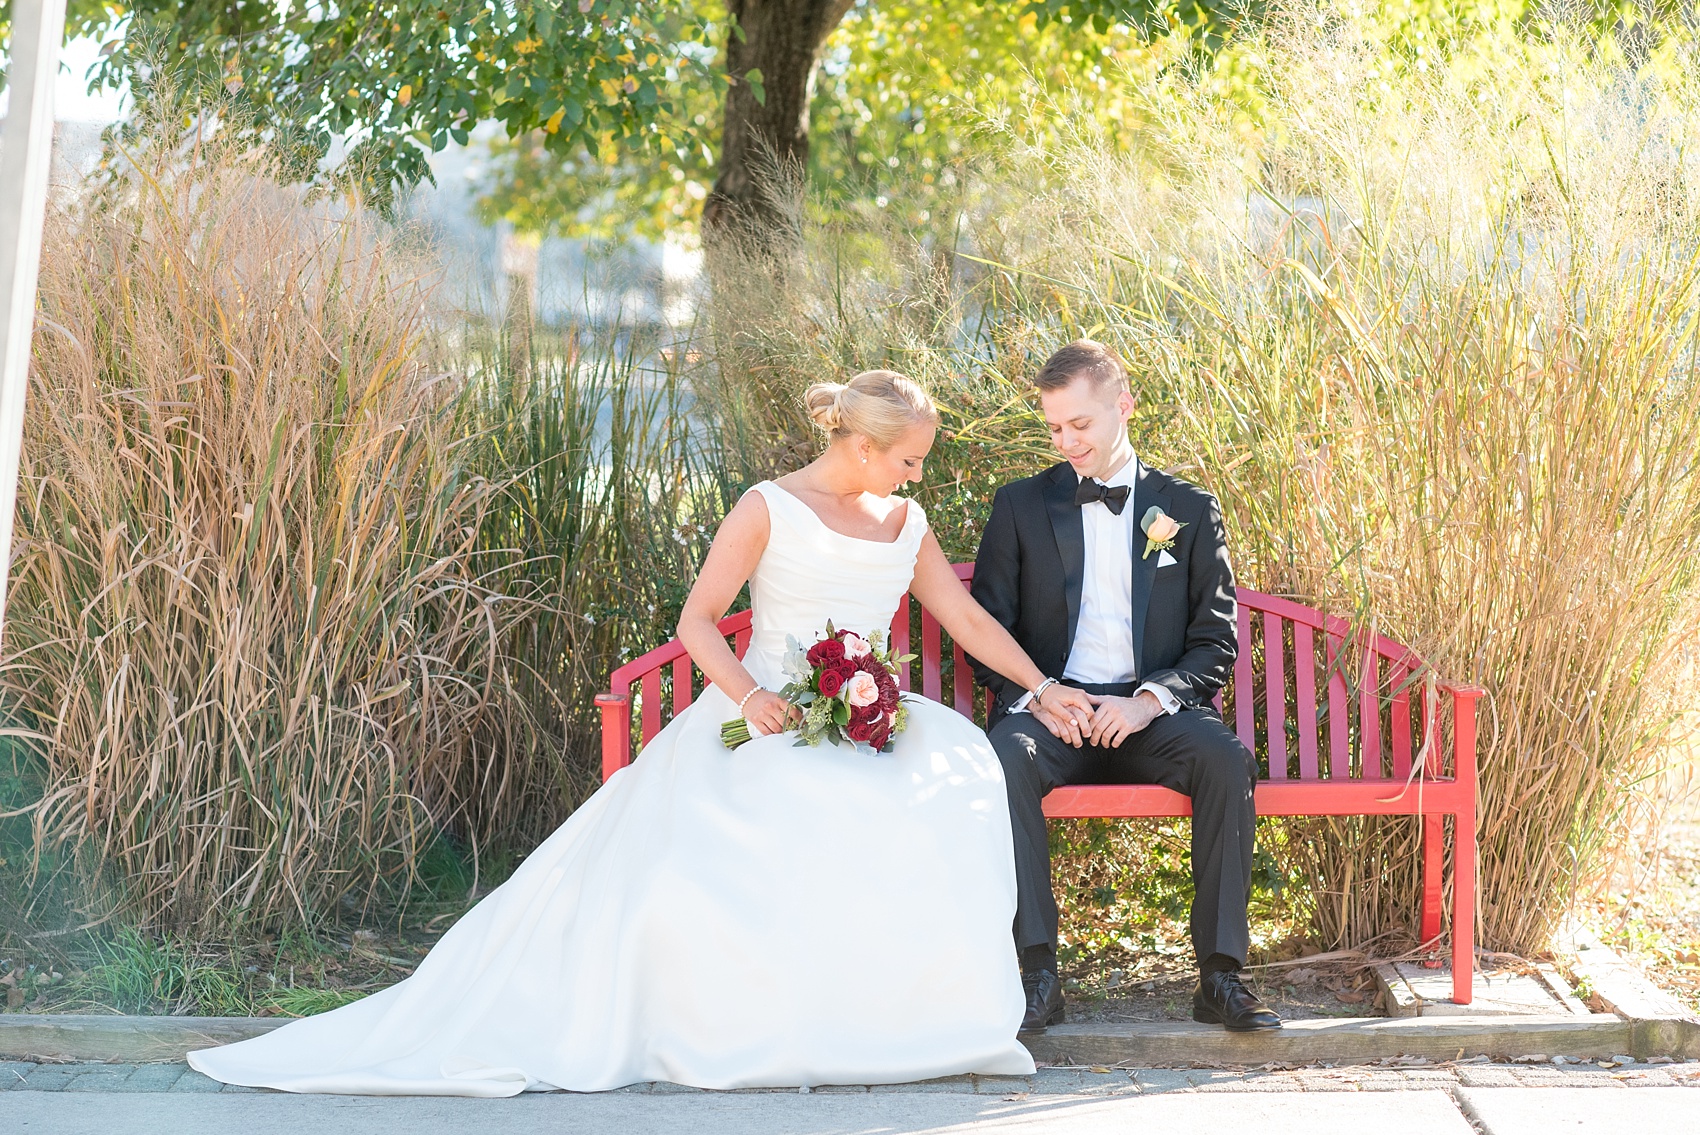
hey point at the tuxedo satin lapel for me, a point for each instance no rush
(1145, 494)
(1070, 531)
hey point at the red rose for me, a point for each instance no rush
(860, 731)
(866, 713)
(845, 668)
(831, 681)
(823, 652)
(881, 734)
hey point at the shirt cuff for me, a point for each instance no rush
(1165, 697)
(1020, 704)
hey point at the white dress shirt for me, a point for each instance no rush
(1103, 638)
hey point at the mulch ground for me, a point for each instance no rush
(1657, 923)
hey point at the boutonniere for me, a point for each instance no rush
(1160, 529)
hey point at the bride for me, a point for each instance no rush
(770, 916)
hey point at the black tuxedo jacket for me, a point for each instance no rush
(1032, 561)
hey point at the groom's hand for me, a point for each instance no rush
(1117, 719)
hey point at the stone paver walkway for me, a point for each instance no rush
(20, 1076)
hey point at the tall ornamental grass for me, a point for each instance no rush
(1426, 324)
(260, 659)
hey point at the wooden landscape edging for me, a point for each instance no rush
(1334, 1039)
(1660, 1023)
(140, 1040)
(70, 1037)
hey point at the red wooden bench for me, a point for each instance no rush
(1297, 677)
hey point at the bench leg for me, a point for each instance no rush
(1463, 907)
(1434, 833)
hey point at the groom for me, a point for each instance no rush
(1085, 567)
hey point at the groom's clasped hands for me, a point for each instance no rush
(1111, 720)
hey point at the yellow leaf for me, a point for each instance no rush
(405, 95)
(630, 85)
(628, 58)
(611, 88)
(649, 60)
(554, 123)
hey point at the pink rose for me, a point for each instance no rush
(1163, 527)
(856, 647)
(861, 689)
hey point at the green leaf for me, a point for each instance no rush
(841, 713)
(754, 79)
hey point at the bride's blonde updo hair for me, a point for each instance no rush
(881, 405)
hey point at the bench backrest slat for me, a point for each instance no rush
(900, 638)
(651, 703)
(1275, 694)
(932, 657)
(1339, 726)
(1304, 697)
(1245, 706)
(1399, 680)
(682, 676)
(1383, 678)
(1369, 713)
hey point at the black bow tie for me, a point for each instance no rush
(1114, 499)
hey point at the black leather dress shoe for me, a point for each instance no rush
(1044, 1001)
(1222, 999)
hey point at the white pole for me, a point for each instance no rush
(26, 148)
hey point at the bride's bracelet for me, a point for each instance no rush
(753, 691)
(1038, 694)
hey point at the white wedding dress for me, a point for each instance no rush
(770, 916)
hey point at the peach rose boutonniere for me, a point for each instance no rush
(1160, 529)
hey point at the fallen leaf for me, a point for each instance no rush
(1349, 996)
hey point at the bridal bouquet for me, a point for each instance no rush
(846, 686)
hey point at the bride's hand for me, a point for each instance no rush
(769, 713)
(1068, 703)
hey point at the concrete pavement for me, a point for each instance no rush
(1457, 1099)
(1430, 1112)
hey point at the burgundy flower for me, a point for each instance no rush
(881, 734)
(860, 731)
(846, 669)
(831, 681)
(823, 652)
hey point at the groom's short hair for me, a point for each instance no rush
(1083, 358)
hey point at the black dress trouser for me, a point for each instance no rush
(1191, 752)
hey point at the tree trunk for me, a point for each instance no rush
(765, 144)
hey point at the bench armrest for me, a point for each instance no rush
(616, 732)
